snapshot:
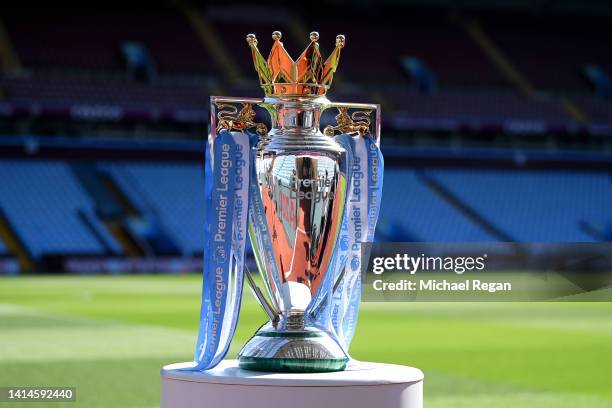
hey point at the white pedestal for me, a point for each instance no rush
(361, 385)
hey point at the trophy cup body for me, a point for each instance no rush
(301, 177)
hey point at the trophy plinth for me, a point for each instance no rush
(361, 385)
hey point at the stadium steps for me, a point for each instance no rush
(14, 244)
(509, 70)
(210, 40)
(117, 227)
(497, 57)
(92, 181)
(126, 240)
(99, 230)
(300, 33)
(411, 211)
(108, 206)
(113, 208)
(465, 209)
(170, 197)
(9, 60)
(125, 204)
(574, 110)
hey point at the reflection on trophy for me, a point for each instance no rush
(296, 215)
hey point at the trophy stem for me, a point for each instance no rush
(272, 313)
(292, 345)
(295, 321)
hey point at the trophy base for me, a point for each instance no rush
(296, 351)
(361, 385)
(292, 365)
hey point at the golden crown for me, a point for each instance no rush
(307, 76)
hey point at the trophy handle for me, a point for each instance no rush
(357, 122)
(225, 115)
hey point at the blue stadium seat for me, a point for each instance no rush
(411, 211)
(3, 248)
(536, 206)
(43, 201)
(173, 193)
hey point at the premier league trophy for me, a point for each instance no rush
(312, 198)
(308, 200)
(302, 181)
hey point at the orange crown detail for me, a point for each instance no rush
(307, 76)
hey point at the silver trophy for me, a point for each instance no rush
(301, 176)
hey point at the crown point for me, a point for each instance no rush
(307, 76)
(340, 41)
(251, 39)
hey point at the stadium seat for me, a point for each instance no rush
(170, 193)
(534, 206)
(43, 201)
(412, 209)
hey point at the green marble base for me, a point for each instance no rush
(292, 351)
(292, 365)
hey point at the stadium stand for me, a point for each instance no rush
(91, 38)
(46, 208)
(92, 163)
(170, 193)
(410, 211)
(557, 48)
(598, 109)
(52, 212)
(58, 89)
(534, 206)
(485, 106)
(77, 71)
(261, 20)
(421, 33)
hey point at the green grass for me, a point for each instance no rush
(109, 336)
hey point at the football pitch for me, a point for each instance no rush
(108, 336)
